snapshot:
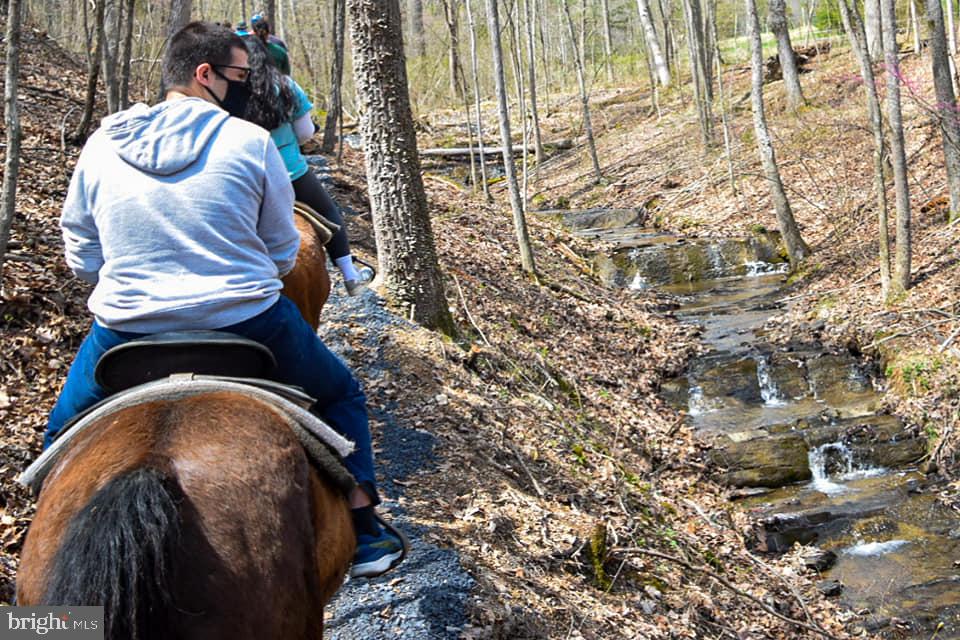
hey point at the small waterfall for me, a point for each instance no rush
(760, 268)
(769, 390)
(866, 549)
(835, 459)
(639, 283)
(697, 405)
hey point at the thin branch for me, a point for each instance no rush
(726, 583)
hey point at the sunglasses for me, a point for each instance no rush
(244, 71)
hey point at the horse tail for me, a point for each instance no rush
(116, 553)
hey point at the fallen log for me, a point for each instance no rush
(456, 152)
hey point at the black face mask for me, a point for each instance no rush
(235, 100)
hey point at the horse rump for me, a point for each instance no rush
(116, 553)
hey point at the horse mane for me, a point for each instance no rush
(116, 554)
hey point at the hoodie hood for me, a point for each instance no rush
(165, 138)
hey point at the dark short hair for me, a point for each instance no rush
(196, 43)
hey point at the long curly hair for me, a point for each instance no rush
(271, 100)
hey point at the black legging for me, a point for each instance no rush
(309, 190)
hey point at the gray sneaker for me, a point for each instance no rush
(355, 287)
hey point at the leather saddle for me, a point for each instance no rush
(206, 353)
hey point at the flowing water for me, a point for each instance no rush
(801, 422)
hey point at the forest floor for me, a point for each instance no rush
(574, 496)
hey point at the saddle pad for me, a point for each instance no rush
(175, 388)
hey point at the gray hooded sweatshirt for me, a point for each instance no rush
(182, 216)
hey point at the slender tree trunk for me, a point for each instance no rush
(584, 96)
(281, 25)
(516, 55)
(901, 267)
(915, 27)
(113, 18)
(698, 75)
(946, 102)
(532, 73)
(93, 72)
(854, 27)
(406, 250)
(519, 219)
(797, 249)
(777, 20)
(304, 50)
(873, 29)
(415, 18)
(335, 107)
(476, 100)
(724, 116)
(607, 40)
(653, 44)
(451, 11)
(270, 10)
(126, 54)
(243, 10)
(11, 121)
(952, 41)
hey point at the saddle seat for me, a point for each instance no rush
(209, 353)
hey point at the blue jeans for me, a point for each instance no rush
(302, 360)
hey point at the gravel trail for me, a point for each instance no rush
(424, 598)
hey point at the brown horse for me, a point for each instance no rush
(308, 284)
(199, 518)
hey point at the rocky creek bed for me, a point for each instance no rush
(795, 429)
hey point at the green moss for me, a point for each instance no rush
(563, 202)
(598, 556)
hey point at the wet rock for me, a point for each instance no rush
(731, 379)
(818, 559)
(895, 453)
(789, 374)
(780, 531)
(838, 381)
(830, 588)
(762, 462)
(598, 218)
(875, 623)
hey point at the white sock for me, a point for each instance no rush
(345, 264)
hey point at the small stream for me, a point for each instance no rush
(796, 430)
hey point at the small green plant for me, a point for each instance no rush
(579, 454)
(563, 202)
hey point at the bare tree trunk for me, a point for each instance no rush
(584, 96)
(415, 18)
(406, 249)
(901, 264)
(243, 10)
(335, 107)
(698, 75)
(915, 27)
(653, 44)
(952, 41)
(873, 29)
(127, 53)
(451, 10)
(516, 54)
(532, 73)
(946, 102)
(112, 20)
(11, 121)
(304, 50)
(777, 20)
(270, 10)
(797, 249)
(476, 100)
(519, 218)
(724, 117)
(901, 267)
(93, 72)
(858, 42)
(607, 40)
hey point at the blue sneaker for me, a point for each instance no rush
(377, 554)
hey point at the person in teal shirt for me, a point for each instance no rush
(281, 106)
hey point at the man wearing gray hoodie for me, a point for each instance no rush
(181, 215)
